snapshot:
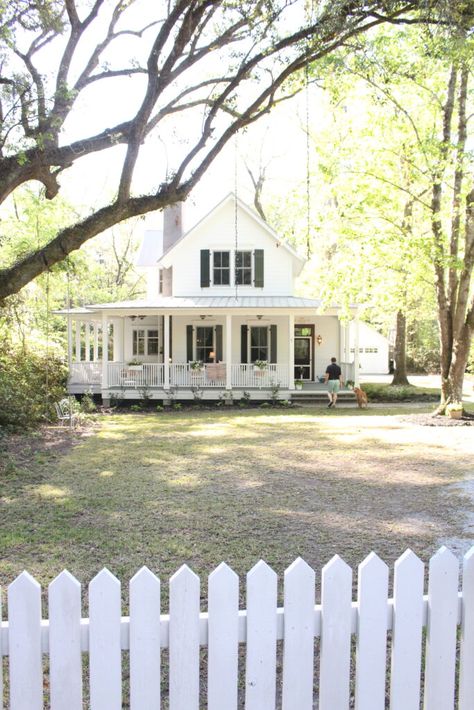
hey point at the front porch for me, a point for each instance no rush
(209, 355)
(186, 382)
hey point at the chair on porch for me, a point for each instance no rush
(215, 371)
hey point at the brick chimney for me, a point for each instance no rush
(172, 225)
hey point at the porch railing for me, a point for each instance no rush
(123, 375)
(88, 373)
(247, 375)
(135, 377)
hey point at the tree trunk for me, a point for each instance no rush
(400, 374)
(452, 383)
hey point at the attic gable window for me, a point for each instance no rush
(160, 281)
(243, 268)
(221, 268)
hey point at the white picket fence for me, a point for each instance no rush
(376, 622)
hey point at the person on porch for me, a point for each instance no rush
(333, 379)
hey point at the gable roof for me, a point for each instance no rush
(299, 261)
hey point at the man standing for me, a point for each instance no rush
(333, 378)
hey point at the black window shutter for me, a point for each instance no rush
(171, 337)
(219, 354)
(258, 257)
(205, 268)
(189, 343)
(243, 343)
(273, 343)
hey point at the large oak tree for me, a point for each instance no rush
(222, 63)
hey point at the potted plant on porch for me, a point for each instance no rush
(260, 366)
(196, 366)
(299, 384)
(135, 365)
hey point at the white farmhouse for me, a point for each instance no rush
(220, 317)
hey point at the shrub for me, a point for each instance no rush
(30, 383)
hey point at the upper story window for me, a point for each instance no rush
(221, 268)
(243, 268)
(216, 268)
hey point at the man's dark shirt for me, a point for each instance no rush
(333, 371)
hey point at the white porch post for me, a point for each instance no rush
(105, 351)
(291, 351)
(69, 342)
(118, 338)
(347, 343)
(228, 351)
(96, 342)
(342, 342)
(78, 340)
(166, 351)
(87, 326)
(356, 351)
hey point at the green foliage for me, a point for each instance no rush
(136, 408)
(399, 393)
(30, 383)
(159, 408)
(87, 405)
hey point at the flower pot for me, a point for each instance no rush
(455, 413)
(299, 386)
(135, 368)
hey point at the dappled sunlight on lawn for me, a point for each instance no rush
(203, 487)
(52, 492)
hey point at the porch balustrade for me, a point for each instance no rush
(122, 375)
(88, 373)
(135, 377)
(248, 375)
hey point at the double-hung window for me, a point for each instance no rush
(221, 268)
(205, 344)
(243, 268)
(145, 341)
(259, 344)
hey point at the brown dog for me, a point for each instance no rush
(361, 397)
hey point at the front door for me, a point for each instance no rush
(303, 357)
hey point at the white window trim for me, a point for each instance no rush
(202, 324)
(252, 267)
(147, 328)
(231, 262)
(258, 324)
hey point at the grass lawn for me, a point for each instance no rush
(201, 487)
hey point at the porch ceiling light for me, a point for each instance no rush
(319, 339)
(202, 317)
(259, 317)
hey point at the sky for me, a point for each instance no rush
(92, 180)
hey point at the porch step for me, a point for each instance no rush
(320, 396)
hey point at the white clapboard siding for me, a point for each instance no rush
(407, 626)
(260, 681)
(371, 634)
(65, 662)
(223, 639)
(441, 631)
(466, 673)
(24, 620)
(299, 637)
(184, 640)
(336, 625)
(145, 685)
(104, 642)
